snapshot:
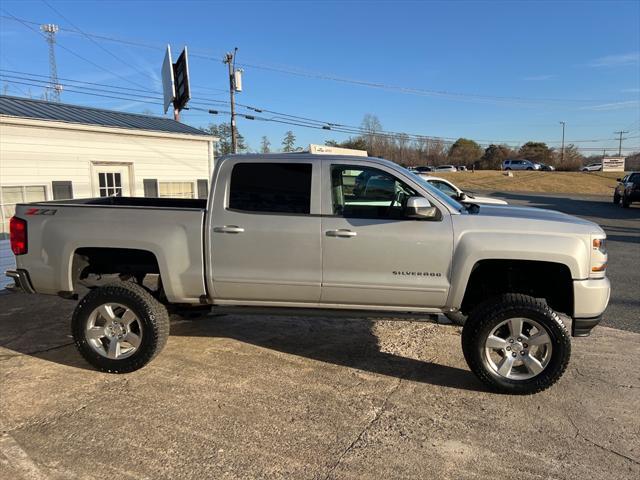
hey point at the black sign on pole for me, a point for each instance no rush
(181, 75)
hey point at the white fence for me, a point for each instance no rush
(7, 261)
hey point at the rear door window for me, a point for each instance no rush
(271, 187)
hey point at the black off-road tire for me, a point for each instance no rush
(484, 318)
(616, 199)
(625, 202)
(150, 312)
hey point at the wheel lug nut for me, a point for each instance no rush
(513, 354)
(519, 339)
(525, 345)
(522, 352)
(508, 348)
(511, 340)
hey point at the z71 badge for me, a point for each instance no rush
(41, 211)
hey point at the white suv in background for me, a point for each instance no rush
(520, 165)
(592, 167)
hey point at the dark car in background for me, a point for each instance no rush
(628, 190)
(547, 168)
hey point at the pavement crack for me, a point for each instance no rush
(376, 416)
(579, 434)
(598, 379)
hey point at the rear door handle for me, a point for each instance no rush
(341, 233)
(228, 229)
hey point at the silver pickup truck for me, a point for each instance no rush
(306, 231)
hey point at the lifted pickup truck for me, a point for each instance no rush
(310, 231)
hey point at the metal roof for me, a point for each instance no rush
(63, 112)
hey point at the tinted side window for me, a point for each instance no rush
(364, 192)
(271, 187)
(634, 178)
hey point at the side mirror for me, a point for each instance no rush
(462, 196)
(618, 179)
(419, 207)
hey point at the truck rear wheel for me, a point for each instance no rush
(120, 327)
(516, 344)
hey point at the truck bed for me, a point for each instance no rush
(171, 229)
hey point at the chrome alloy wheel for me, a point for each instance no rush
(114, 331)
(518, 349)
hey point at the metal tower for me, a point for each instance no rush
(50, 30)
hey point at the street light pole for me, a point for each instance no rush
(562, 149)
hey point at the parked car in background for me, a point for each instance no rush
(520, 165)
(628, 190)
(445, 168)
(423, 168)
(462, 168)
(547, 168)
(448, 188)
(592, 167)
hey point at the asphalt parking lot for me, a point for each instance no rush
(319, 398)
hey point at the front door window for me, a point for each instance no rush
(365, 192)
(110, 184)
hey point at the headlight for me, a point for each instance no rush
(599, 257)
(600, 244)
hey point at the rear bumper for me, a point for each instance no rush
(21, 280)
(590, 298)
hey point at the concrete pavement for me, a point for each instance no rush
(306, 398)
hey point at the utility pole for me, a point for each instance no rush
(562, 149)
(49, 30)
(621, 132)
(230, 60)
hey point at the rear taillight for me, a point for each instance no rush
(18, 235)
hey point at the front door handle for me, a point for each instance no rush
(228, 229)
(341, 233)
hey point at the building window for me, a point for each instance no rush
(110, 184)
(176, 189)
(10, 196)
(271, 187)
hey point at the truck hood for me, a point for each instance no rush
(535, 216)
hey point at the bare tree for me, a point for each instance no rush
(372, 127)
(265, 145)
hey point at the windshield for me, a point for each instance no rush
(443, 197)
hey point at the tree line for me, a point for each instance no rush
(411, 151)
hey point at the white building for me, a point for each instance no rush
(54, 151)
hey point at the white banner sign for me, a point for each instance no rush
(613, 164)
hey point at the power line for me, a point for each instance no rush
(154, 97)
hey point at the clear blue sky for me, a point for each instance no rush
(576, 61)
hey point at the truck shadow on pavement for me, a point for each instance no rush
(341, 341)
(40, 327)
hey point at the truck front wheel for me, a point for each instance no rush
(120, 327)
(516, 344)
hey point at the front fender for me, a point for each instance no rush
(473, 247)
